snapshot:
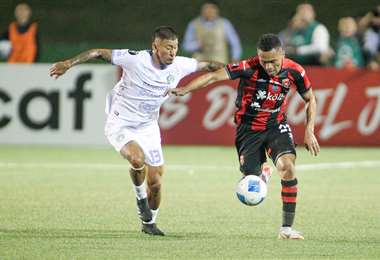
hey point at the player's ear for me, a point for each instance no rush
(154, 46)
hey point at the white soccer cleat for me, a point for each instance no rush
(289, 233)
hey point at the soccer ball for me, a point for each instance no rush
(251, 190)
(5, 48)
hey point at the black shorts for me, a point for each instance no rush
(253, 147)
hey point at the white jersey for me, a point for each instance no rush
(136, 99)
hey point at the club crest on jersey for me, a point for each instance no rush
(274, 88)
(170, 78)
(286, 83)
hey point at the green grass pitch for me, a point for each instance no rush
(77, 203)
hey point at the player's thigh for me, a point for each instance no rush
(149, 138)
(280, 142)
(133, 152)
(251, 150)
(126, 142)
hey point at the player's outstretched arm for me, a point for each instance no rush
(209, 66)
(59, 68)
(311, 142)
(201, 82)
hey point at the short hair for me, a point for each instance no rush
(212, 2)
(164, 33)
(268, 42)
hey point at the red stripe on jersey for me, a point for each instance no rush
(295, 66)
(281, 114)
(259, 123)
(246, 98)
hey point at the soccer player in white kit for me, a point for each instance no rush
(133, 109)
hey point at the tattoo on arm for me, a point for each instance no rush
(104, 54)
(210, 65)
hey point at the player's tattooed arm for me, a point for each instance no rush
(209, 66)
(59, 68)
(311, 142)
(201, 82)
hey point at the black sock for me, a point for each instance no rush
(289, 200)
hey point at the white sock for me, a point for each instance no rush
(154, 216)
(140, 191)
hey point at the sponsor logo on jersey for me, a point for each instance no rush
(274, 97)
(148, 106)
(262, 94)
(255, 105)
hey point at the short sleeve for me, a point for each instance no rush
(301, 80)
(123, 57)
(239, 70)
(187, 65)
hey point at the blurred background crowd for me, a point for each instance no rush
(344, 34)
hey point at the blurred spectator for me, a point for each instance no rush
(370, 26)
(288, 35)
(348, 50)
(23, 36)
(309, 42)
(211, 37)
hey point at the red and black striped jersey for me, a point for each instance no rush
(260, 98)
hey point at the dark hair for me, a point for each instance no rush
(268, 42)
(164, 33)
(212, 2)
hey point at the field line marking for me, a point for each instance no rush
(102, 166)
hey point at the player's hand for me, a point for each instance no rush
(311, 143)
(178, 91)
(59, 68)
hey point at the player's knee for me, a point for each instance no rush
(136, 162)
(286, 169)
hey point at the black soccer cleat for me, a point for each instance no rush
(152, 229)
(143, 210)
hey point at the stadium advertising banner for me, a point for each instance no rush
(348, 111)
(36, 109)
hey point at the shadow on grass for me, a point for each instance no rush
(96, 234)
(56, 233)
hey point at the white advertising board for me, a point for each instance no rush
(37, 109)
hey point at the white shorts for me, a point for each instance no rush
(147, 136)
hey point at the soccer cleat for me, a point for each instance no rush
(143, 210)
(289, 233)
(266, 172)
(152, 229)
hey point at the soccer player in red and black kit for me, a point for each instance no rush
(262, 130)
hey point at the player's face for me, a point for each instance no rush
(271, 60)
(166, 50)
